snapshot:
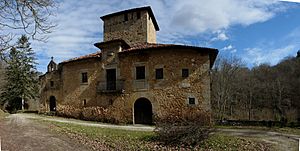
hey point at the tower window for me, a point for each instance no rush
(185, 73)
(192, 101)
(138, 15)
(51, 83)
(140, 72)
(84, 77)
(84, 102)
(52, 68)
(159, 73)
(125, 17)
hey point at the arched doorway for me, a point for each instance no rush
(143, 111)
(52, 103)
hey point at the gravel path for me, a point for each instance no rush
(21, 134)
(87, 123)
(283, 142)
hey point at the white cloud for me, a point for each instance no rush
(200, 16)
(256, 56)
(79, 25)
(230, 48)
(219, 35)
(297, 1)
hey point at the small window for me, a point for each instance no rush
(140, 72)
(192, 101)
(138, 15)
(51, 83)
(125, 17)
(84, 102)
(159, 73)
(84, 77)
(51, 67)
(185, 73)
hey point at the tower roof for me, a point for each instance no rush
(147, 8)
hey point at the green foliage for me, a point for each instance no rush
(20, 75)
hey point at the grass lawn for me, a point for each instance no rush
(2, 114)
(115, 139)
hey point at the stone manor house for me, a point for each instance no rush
(131, 75)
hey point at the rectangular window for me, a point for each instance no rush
(140, 72)
(185, 73)
(84, 102)
(84, 77)
(192, 101)
(51, 83)
(138, 15)
(125, 17)
(159, 73)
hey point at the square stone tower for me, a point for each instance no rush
(136, 25)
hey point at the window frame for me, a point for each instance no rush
(51, 84)
(126, 17)
(191, 99)
(157, 75)
(138, 15)
(84, 102)
(138, 75)
(84, 77)
(185, 72)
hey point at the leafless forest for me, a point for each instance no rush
(264, 92)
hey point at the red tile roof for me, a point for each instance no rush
(151, 46)
(89, 56)
(121, 42)
(144, 46)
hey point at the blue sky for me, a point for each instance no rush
(257, 31)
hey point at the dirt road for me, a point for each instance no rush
(22, 134)
(283, 142)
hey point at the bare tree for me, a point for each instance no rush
(224, 75)
(30, 16)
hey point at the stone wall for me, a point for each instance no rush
(46, 90)
(151, 31)
(133, 30)
(74, 90)
(171, 92)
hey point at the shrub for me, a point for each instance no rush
(97, 113)
(68, 111)
(185, 127)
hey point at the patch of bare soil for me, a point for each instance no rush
(282, 142)
(19, 133)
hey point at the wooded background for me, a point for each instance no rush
(263, 92)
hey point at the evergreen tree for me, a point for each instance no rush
(298, 54)
(21, 76)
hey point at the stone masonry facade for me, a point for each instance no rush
(132, 78)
